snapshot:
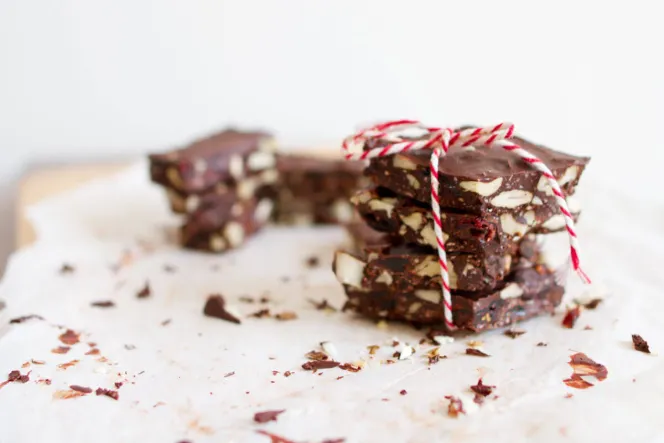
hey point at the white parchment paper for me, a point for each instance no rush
(174, 362)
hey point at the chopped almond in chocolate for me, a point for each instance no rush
(108, 393)
(286, 315)
(476, 352)
(216, 307)
(82, 389)
(313, 261)
(229, 374)
(61, 350)
(323, 305)
(319, 364)
(264, 417)
(455, 407)
(350, 367)
(67, 269)
(316, 355)
(482, 389)
(25, 318)
(514, 333)
(69, 337)
(261, 313)
(145, 292)
(571, 316)
(103, 304)
(640, 344)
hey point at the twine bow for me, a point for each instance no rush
(439, 141)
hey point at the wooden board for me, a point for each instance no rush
(49, 182)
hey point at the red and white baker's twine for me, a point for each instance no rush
(440, 140)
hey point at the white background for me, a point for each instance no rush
(89, 79)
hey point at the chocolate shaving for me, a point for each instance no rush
(320, 364)
(264, 300)
(229, 374)
(514, 333)
(264, 417)
(640, 344)
(93, 351)
(216, 307)
(25, 318)
(145, 292)
(542, 344)
(169, 269)
(67, 269)
(166, 322)
(286, 315)
(482, 389)
(350, 367)
(476, 352)
(82, 389)
(61, 350)
(108, 393)
(37, 362)
(313, 262)
(275, 438)
(129, 347)
(316, 356)
(261, 313)
(571, 316)
(69, 337)
(592, 304)
(455, 407)
(323, 305)
(103, 304)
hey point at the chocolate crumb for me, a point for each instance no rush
(275, 372)
(313, 261)
(384, 399)
(334, 440)
(229, 374)
(69, 337)
(285, 279)
(246, 299)
(396, 355)
(571, 316)
(264, 417)
(129, 347)
(25, 318)
(37, 362)
(478, 399)
(323, 305)
(145, 292)
(93, 351)
(316, 355)
(274, 438)
(108, 393)
(216, 307)
(166, 322)
(118, 384)
(169, 269)
(68, 365)
(82, 389)
(403, 392)
(288, 374)
(2, 305)
(569, 395)
(286, 315)
(640, 344)
(395, 343)
(588, 328)
(350, 367)
(592, 304)
(67, 269)
(542, 344)
(61, 350)
(261, 313)
(482, 389)
(514, 333)
(264, 300)
(455, 407)
(44, 381)
(103, 304)
(319, 364)
(476, 352)
(16, 377)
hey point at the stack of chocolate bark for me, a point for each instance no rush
(492, 204)
(232, 183)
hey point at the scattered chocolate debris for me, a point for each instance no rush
(169, 269)
(316, 355)
(118, 384)
(640, 344)
(350, 367)
(216, 307)
(103, 304)
(230, 374)
(64, 395)
(44, 381)
(313, 261)
(108, 393)
(569, 395)
(275, 438)
(319, 364)
(476, 352)
(93, 351)
(37, 362)
(261, 313)
(61, 350)
(68, 365)
(575, 381)
(82, 389)
(571, 316)
(582, 365)
(592, 304)
(514, 333)
(145, 292)
(25, 318)
(288, 374)
(482, 389)
(129, 347)
(323, 305)
(286, 315)
(395, 343)
(16, 377)
(455, 407)
(542, 344)
(166, 322)
(264, 300)
(397, 355)
(67, 269)
(403, 392)
(69, 337)
(264, 417)
(246, 299)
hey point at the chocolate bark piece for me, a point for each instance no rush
(224, 225)
(411, 221)
(478, 180)
(404, 268)
(225, 156)
(528, 292)
(315, 188)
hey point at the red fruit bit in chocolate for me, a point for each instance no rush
(69, 337)
(482, 389)
(640, 344)
(264, 417)
(571, 316)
